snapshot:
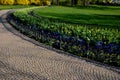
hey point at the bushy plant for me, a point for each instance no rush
(108, 1)
(79, 2)
(35, 2)
(10, 2)
(93, 1)
(104, 1)
(22, 2)
(97, 43)
(46, 2)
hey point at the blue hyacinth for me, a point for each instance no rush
(100, 45)
(65, 38)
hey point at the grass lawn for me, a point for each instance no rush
(2, 7)
(97, 15)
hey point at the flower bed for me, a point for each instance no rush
(96, 43)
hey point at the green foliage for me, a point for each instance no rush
(93, 1)
(79, 2)
(118, 59)
(108, 1)
(88, 33)
(46, 2)
(68, 2)
(104, 1)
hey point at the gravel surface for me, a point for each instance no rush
(23, 60)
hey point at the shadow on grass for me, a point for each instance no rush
(96, 7)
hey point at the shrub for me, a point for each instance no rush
(22, 2)
(92, 1)
(79, 2)
(35, 2)
(46, 2)
(104, 1)
(97, 43)
(26, 2)
(10, 2)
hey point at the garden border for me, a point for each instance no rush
(8, 25)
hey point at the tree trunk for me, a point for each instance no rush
(84, 4)
(58, 2)
(72, 3)
(52, 2)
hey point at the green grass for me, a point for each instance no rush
(96, 15)
(3, 7)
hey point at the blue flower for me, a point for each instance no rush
(82, 42)
(65, 38)
(100, 45)
(74, 41)
(56, 35)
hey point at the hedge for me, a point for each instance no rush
(7, 2)
(96, 43)
(22, 2)
(25, 2)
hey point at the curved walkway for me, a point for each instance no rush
(23, 60)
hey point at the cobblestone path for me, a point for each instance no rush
(23, 60)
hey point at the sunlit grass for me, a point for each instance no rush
(96, 15)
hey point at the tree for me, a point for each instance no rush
(35, 2)
(58, 1)
(46, 2)
(22, 2)
(9, 2)
(52, 1)
(86, 2)
(72, 3)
